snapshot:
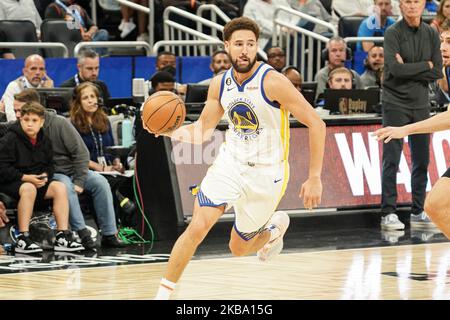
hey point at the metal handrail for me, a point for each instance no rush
(162, 43)
(49, 45)
(193, 17)
(305, 16)
(215, 11)
(360, 39)
(134, 6)
(309, 59)
(112, 44)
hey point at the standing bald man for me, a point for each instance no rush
(34, 76)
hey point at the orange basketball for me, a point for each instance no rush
(163, 111)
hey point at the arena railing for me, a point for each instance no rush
(44, 45)
(186, 43)
(112, 44)
(215, 12)
(311, 43)
(186, 33)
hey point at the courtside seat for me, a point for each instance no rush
(20, 31)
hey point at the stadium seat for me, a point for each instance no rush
(20, 31)
(348, 27)
(56, 30)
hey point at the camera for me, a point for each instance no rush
(126, 110)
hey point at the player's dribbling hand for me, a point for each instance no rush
(311, 192)
(389, 133)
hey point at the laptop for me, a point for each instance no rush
(196, 95)
(309, 91)
(351, 101)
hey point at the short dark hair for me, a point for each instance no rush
(241, 23)
(164, 53)
(28, 95)
(161, 76)
(215, 53)
(33, 108)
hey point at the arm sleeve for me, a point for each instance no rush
(436, 72)
(77, 149)
(7, 157)
(8, 99)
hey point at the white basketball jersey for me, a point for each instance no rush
(258, 129)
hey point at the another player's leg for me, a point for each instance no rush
(437, 205)
(203, 219)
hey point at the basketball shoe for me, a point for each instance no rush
(280, 220)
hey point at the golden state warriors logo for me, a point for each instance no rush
(244, 119)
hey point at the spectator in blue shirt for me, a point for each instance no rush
(376, 24)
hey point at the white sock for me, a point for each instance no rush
(165, 289)
(274, 232)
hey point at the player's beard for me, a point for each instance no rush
(243, 69)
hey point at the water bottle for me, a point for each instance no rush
(127, 132)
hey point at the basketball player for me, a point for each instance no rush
(251, 171)
(437, 202)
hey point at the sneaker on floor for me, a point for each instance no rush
(421, 220)
(127, 28)
(65, 242)
(112, 242)
(24, 244)
(280, 220)
(391, 222)
(86, 239)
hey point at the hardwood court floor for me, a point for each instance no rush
(419, 271)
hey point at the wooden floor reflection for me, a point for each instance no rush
(397, 272)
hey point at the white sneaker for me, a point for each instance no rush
(127, 28)
(421, 221)
(122, 23)
(391, 222)
(280, 220)
(142, 37)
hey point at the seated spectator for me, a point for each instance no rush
(374, 65)
(293, 74)
(71, 160)
(5, 53)
(339, 79)
(276, 58)
(220, 62)
(34, 76)
(21, 10)
(442, 14)
(23, 97)
(376, 24)
(162, 81)
(26, 174)
(67, 10)
(3, 217)
(88, 66)
(167, 61)
(127, 25)
(336, 55)
(94, 128)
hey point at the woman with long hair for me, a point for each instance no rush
(94, 127)
(442, 14)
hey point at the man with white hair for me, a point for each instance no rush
(34, 76)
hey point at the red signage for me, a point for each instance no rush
(351, 173)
